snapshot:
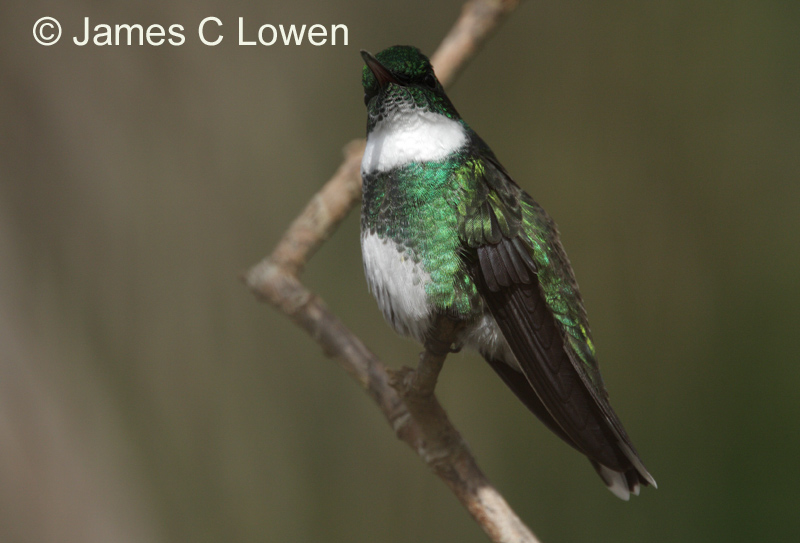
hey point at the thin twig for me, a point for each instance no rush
(479, 18)
(323, 213)
(405, 397)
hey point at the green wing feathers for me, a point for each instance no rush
(514, 256)
(492, 208)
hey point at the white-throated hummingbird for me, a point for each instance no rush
(445, 230)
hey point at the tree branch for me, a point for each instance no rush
(405, 397)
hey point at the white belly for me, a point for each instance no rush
(398, 284)
(486, 338)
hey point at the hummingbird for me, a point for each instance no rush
(446, 231)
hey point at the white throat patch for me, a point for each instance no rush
(420, 136)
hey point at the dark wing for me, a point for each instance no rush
(519, 385)
(523, 275)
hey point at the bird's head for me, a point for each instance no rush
(400, 81)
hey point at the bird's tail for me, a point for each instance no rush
(622, 483)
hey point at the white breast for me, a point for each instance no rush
(417, 136)
(398, 284)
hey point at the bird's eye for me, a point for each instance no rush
(369, 94)
(430, 81)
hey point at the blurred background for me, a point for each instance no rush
(145, 395)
